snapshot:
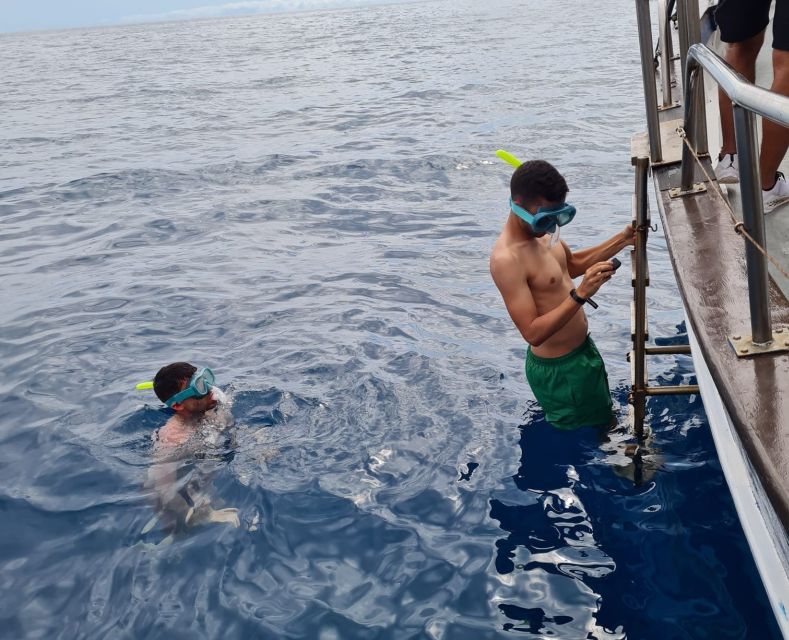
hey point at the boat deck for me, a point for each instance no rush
(708, 257)
(709, 264)
(746, 398)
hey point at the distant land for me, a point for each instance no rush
(38, 15)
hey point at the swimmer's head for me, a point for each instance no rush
(173, 379)
(537, 184)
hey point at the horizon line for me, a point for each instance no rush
(137, 20)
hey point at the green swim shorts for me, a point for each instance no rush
(572, 389)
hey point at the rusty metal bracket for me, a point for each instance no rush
(698, 187)
(744, 345)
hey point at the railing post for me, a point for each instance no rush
(690, 34)
(700, 109)
(648, 75)
(682, 28)
(690, 122)
(665, 52)
(753, 218)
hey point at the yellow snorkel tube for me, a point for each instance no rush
(144, 385)
(508, 158)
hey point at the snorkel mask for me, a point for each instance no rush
(199, 386)
(547, 219)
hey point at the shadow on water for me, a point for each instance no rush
(625, 533)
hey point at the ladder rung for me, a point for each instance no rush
(674, 349)
(669, 390)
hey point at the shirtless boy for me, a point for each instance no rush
(534, 277)
(190, 393)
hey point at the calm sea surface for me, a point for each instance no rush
(306, 203)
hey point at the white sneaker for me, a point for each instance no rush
(728, 169)
(776, 196)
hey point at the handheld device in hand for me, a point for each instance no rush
(616, 262)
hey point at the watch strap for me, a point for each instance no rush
(578, 298)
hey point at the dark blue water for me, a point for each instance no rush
(306, 203)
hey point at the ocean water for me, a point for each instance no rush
(306, 203)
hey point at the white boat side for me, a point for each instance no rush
(763, 529)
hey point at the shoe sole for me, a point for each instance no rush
(769, 207)
(728, 180)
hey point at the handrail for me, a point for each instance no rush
(747, 100)
(762, 102)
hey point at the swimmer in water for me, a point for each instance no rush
(187, 392)
(191, 394)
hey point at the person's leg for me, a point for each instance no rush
(775, 138)
(742, 57)
(742, 24)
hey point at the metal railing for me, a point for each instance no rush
(748, 100)
(689, 33)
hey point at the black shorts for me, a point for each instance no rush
(740, 20)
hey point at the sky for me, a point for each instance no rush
(30, 15)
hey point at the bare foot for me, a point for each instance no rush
(229, 516)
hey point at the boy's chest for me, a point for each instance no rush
(546, 271)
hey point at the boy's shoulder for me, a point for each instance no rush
(174, 433)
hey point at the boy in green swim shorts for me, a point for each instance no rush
(534, 273)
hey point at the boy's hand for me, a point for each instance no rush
(594, 278)
(629, 235)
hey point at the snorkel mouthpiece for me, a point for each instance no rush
(555, 237)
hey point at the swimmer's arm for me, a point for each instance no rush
(519, 301)
(163, 481)
(579, 261)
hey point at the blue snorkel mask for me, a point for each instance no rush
(199, 386)
(547, 219)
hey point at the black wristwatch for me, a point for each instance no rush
(578, 298)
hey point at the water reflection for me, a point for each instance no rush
(550, 556)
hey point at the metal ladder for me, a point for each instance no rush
(640, 389)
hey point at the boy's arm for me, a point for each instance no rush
(579, 261)
(518, 299)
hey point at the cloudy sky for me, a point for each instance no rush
(25, 15)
